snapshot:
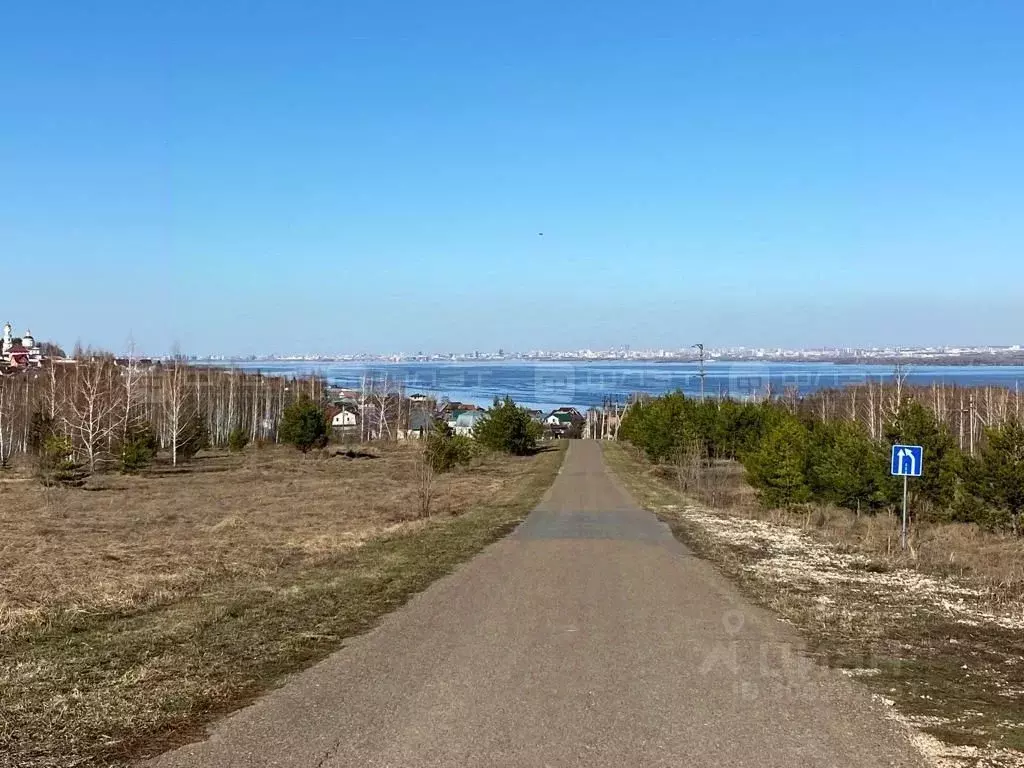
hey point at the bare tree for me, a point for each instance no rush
(96, 400)
(6, 420)
(362, 410)
(131, 384)
(179, 405)
(54, 392)
(90, 413)
(896, 397)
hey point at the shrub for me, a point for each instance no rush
(238, 438)
(57, 465)
(445, 450)
(138, 448)
(507, 427)
(968, 507)
(40, 430)
(304, 425)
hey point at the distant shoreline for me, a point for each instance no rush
(987, 360)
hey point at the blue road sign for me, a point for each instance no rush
(907, 460)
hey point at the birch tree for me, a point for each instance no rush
(90, 413)
(131, 384)
(179, 405)
(6, 420)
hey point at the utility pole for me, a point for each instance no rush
(972, 424)
(971, 436)
(700, 348)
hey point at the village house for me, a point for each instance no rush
(18, 356)
(564, 422)
(466, 421)
(450, 407)
(341, 398)
(564, 417)
(344, 421)
(419, 425)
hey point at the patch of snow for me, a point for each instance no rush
(793, 557)
(860, 672)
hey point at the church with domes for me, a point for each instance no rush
(19, 352)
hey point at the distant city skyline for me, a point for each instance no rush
(131, 344)
(255, 178)
(687, 353)
(107, 340)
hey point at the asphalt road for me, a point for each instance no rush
(589, 637)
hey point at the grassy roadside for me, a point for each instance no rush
(945, 651)
(108, 687)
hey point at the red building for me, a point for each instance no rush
(18, 356)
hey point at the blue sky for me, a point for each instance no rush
(253, 177)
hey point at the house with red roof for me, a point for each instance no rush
(18, 356)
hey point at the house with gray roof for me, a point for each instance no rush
(466, 422)
(420, 424)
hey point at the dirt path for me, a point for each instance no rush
(589, 637)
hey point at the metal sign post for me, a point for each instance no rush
(907, 461)
(903, 530)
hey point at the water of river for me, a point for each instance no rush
(547, 385)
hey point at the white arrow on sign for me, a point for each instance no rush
(902, 454)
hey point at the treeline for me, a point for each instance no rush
(102, 412)
(966, 412)
(834, 447)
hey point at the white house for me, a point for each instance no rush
(344, 420)
(559, 419)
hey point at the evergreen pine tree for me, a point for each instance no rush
(998, 477)
(846, 468)
(778, 469)
(509, 428)
(304, 425)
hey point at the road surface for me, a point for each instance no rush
(589, 637)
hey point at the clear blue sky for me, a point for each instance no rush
(337, 176)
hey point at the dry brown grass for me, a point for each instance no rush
(994, 561)
(138, 607)
(127, 542)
